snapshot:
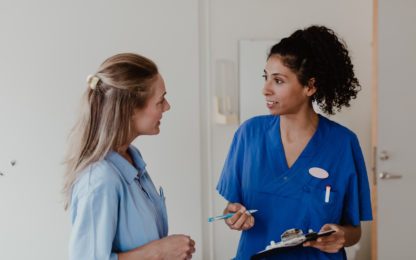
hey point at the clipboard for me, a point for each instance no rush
(291, 239)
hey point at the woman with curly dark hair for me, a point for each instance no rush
(297, 168)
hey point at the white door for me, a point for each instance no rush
(396, 129)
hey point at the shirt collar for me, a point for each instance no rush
(137, 158)
(128, 171)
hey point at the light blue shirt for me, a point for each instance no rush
(115, 208)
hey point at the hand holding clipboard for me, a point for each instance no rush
(290, 239)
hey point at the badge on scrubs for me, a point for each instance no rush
(318, 173)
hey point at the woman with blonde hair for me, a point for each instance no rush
(115, 209)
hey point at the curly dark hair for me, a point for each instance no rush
(316, 52)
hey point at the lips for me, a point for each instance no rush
(270, 104)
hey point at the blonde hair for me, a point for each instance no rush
(123, 83)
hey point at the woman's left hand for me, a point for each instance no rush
(332, 243)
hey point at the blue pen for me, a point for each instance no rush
(251, 211)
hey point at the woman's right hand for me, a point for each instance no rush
(177, 247)
(242, 220)
(173, 247)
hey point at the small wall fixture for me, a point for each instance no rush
(225, 101)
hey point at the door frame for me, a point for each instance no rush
(374, 134)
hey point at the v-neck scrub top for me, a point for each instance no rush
(256, 175)
(115, 208)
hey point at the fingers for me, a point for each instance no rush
(330, 244)
(188, 254)
(189, 248)
(249, 223)
(242, 220)
(327, 227)
(236, 216)
(233, 207)
(177, 246)
(192, 242)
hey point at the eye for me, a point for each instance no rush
(264, 76)
(278, 81)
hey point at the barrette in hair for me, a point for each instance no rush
(92, 81)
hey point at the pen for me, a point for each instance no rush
(327, 192)
(229, 215)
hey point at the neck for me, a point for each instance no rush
(296, 125)
(124, 152)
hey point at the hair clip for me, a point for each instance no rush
(92, 81)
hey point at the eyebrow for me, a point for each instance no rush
(276, 74)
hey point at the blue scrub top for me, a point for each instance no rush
(114, 208)
(256, 175)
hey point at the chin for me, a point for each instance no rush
(156, 132)
(151, 132)
(274, 113)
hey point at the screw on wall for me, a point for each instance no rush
(12, 163)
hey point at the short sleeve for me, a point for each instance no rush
(229, 184)
(357, 205)
(94, 222)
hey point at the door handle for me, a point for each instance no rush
(386, 176)
(384, 156)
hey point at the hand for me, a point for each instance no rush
(332, 243)
(242, 220)
(177, 247)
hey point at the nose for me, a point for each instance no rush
(266, 89)
(167, 106)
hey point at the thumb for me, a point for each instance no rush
(328, 227)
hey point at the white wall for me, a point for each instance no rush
(233, 20)
(47, 49)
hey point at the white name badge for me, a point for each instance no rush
(318, 173)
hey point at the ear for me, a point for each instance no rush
(310, 88)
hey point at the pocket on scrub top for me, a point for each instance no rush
(323, 205)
